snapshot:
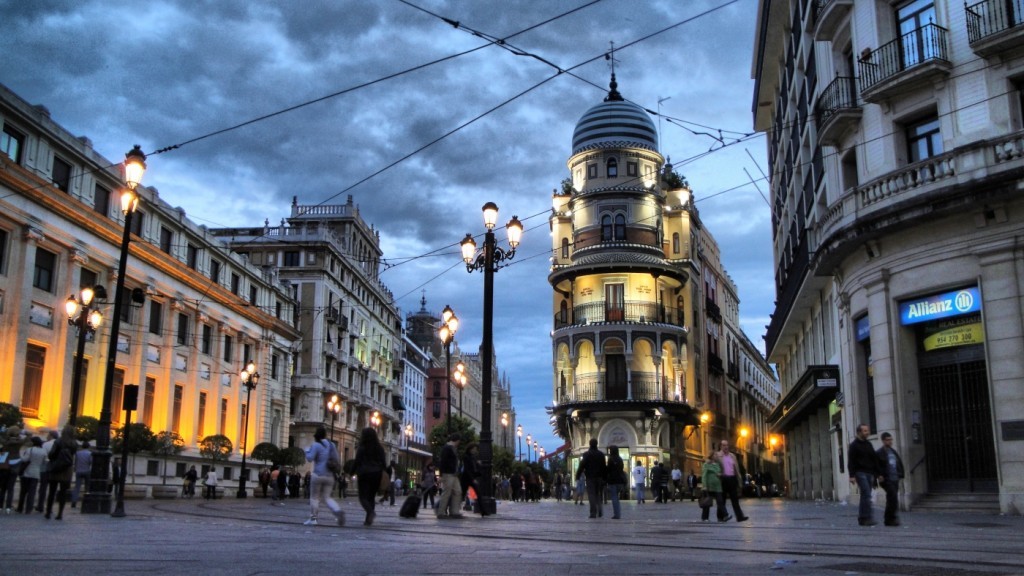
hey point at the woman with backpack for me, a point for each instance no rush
(59, 469)
(324, 456)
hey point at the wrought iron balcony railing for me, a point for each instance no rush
(927, 43)
(991, 17)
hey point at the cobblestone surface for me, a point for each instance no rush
(254, 537)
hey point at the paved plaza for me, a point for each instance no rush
(253, 536)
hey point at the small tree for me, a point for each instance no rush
(165, 445)
(502, 460)
(265, 452)
(140, 439)
(216, 447)
(85, 428)
(10, 415)
(293, 457)
(439, 435)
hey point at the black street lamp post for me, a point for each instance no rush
(334, 407)
(489, 261)
(86, 319)
(97, 499)
(449, 325)
(250, 378)
(519, 432)
(460, 381)
(504, 430)
(529, 456)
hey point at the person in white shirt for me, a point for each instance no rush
(211, 484)
(677, 482)
(639, 478)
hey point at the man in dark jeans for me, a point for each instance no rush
(731, 474)
(891, 466)
(862, 463)
(594, 468)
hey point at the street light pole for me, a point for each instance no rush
(449, 325)
(250, 378)
(334, 407)
(528, 457)
(86, 320)
(504, 430)
(489, 262)
(97, 499)
(460, 381)
(519, 432)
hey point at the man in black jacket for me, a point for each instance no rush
(451, 491)
(890, 466)
(593, 466)
(862, 463)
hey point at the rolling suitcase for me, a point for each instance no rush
(411, 506)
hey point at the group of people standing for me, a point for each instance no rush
(720, 477)
(45, 470)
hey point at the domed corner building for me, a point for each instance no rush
(622, 302)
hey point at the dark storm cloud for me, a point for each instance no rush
(166, 72)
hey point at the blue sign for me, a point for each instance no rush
(945, 305)
(863, 329)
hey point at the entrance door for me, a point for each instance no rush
(957, 421)
(615, 377)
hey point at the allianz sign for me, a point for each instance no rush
(938, 306)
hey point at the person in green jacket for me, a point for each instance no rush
(710, 477)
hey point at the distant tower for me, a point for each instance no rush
(620, 270)
(421, 327)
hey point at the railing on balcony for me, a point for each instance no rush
(924, 44)
(630, 311)
(840, 94)
(645, 386)
(713, 309)
(715, 363)
(991, 17)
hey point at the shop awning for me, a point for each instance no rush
(816, 388)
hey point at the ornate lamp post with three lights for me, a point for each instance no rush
(86, 319)
(449, 326)
(250, 378)
(489, 261)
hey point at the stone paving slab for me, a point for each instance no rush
(253, 536)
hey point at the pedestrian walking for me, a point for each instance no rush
(210, 483)
(639, 477)
(451, 492)
(862, 463)
(60, 466)
(594, 468)
(581, 489)
(691, 484)
(83, 468)
(677, 483)
(321, 479)
(371, 461)
(891, 466)
(191, 477)
(616, 478)
(428, 483)
(44, 475)
(731, 474)
(711, 480)
(35, 458)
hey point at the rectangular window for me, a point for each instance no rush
(192, 256)
(277, 305)
(201, 421)
(179, 392)
(87, 278)
(46, 265)
(166, 238)
(183, 329)
(241, 433)
(117, 396)
(3, 251)
(148, 398)
(253, 294)
(207, 340)
(631, 169)
(11, 143)
(227, 348)
(138, 219)
(156, 313)
(291, 258)
(274, 362)
(32, 387)
(215, 271)
(592, 171)
(246, 353)
(223, 417)
(615, 304)
(61, 174)
(152, 467)
(924, 139)
(101, 200)
(235, 283)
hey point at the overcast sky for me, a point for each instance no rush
(419, 145)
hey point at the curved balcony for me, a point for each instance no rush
(590, 387)
(828, 14)
(629, 311)
(837, 109)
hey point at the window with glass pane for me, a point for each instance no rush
(138, 218)
(924, 139)
(228, 342)
(148, 398)
(215, 270)
(620, 227)
(166, 239)
(192, 256)
(201, 423)
(156, 315)
(32, 385)
(61, 174)
(101, 200)
(207, 341)
(11, 143)
(46, 263)
(223, 417)
(236, 282)
(917, 38)
(183, 329)
(117, 396)
(179, 393)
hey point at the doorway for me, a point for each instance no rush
(615, 377)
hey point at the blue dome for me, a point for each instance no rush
(615, 122)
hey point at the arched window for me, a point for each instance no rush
(612, 168)
(675, 242)
(565, 247)
(606, 228)
(620, 227)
